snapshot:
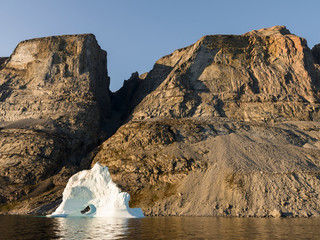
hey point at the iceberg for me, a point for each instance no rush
(91, 193)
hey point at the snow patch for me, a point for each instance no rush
(91, 193)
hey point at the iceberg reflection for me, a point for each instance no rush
(91, 228)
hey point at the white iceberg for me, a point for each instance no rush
(91, 193)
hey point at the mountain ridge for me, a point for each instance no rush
(227, 126)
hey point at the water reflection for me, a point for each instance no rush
(19, 227)
(26, 227)
(188, 228)
(91, 228)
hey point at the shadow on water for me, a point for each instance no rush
(21, 227)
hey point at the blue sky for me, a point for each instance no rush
(136, 33)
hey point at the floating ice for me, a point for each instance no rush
(91, 193)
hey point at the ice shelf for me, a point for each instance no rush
(91, 193)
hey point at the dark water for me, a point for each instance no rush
(24, 227)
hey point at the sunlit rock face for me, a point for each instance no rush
(91, 193)
(263, 75)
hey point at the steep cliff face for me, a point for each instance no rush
(212, 133)
(61, 78)
(54, 97)
(264, 75)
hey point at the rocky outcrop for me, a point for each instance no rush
(316, 53)
(225, 127)
(54, 98)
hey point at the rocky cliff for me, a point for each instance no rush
(265, 75)
(54, 97)
(225, 127)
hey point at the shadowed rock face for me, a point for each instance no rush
(54, 97)
(316, 53)
(211, 132)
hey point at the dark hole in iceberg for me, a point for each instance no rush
(87, 209)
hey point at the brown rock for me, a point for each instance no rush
(209, 134)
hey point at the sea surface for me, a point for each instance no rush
(26, 227)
